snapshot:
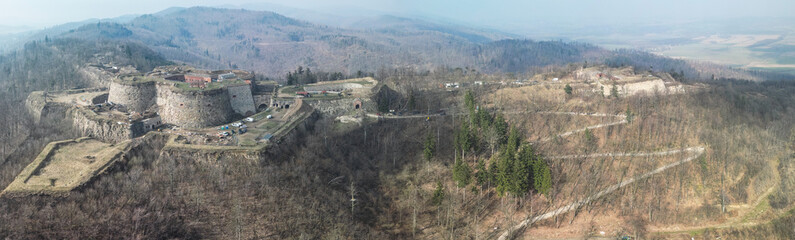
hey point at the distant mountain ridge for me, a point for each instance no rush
(272, 44)
(17, 40)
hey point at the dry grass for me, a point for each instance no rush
(65, 165)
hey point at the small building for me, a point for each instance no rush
(196, 78)
(152, 123)
(226, 76)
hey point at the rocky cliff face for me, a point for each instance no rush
(35, 104)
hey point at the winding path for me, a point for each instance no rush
(697, 150)
(662, 153)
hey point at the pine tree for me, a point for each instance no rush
(630, 115)
(438, 194)
(469, 101)
(568, 89)
(501, 126)
(462, 173)
(463, 139)
(523, 170)
(484, 119)
(512, 144)
(430, 147)
(504, 173)
(542, 176)
(493, 169)
(482, 174)
(518, 178)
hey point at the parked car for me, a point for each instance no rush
(248, 119)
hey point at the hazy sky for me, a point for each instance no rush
(514, 13)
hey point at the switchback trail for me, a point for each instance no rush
(669, 152)
(697, 150)
(622, 121)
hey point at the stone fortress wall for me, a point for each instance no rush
(87, 123)
(335, 87)
(42, 107)
(186, 108)
(195, 109)
(241, 99)
(263, 93)
(136, 96)
(82, 120)
(635, 88)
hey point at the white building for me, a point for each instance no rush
(226, 76)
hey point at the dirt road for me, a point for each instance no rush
(696, 150)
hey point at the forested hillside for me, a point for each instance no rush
(272, 45)
(53, 64)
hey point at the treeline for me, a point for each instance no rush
(516, 169)
(303, 75)
(54, 64)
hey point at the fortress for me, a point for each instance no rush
(219, 115)
(133, 105)
(181, 105)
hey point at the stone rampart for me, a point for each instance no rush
(241, 100)
(136, 96)
(89, 124)
(194, 109)
(332, 87)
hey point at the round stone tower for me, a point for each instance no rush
(195, 108)
(135, 93)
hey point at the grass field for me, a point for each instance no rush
(65, 165)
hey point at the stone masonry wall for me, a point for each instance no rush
(631, 89)
(195, 109)
(334, 87)
(135, 96)
(241, 100)
(334, 107)
(266, 99)
(88, 124)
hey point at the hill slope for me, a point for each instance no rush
(272, 45)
